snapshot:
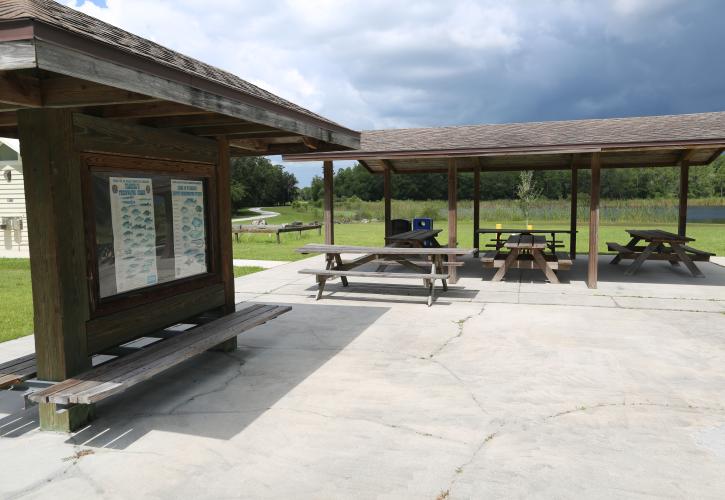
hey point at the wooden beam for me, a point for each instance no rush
(573, 208)
(238, 129)
(254, 145)
(99, 135)
(56, 234)
(365, 165)
(224, 204)
(452, 215)
(476, 203)
(594, 222)
(389, 164)
(310, 143)
(151, 109)
(73, 92)
(684, 192)
(329, 202)
(20, 90)
(387, 190)
(16, 55)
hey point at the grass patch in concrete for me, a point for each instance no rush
(240, 271)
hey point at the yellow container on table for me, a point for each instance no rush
(529, 226)
(498, 226)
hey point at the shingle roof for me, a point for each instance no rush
(68, 19)
(650, 129)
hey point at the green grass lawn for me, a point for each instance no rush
(16, 299)
(16, 319)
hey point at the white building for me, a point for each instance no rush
(13, 218)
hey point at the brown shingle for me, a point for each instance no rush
(691, 127)
(65, 18)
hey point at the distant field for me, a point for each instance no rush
(710, 237)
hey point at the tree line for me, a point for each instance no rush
(617, 183)
(256, 182)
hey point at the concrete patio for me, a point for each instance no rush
(512, 389)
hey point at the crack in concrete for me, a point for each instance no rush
(371, 421)
(222, 387)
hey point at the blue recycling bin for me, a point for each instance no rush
(422, 223)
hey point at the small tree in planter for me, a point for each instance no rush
(527, 193)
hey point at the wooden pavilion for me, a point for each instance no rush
(655, 141)
(112, 128)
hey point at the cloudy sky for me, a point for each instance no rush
(388, 64)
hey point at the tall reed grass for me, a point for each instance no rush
(660, 210)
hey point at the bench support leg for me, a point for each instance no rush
(69, 418)
(229, 345)
(431, 292)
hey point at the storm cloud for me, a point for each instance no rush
(385, 64)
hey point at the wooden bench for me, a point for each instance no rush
(17, 371)
(120, 374)
(428, 279)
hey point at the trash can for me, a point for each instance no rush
(422, 223)
(398, 226)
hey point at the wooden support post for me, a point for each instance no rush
(57, 237)
(56, 234)
(387, 189)
(452, 216)
(573, 214)
(684, 191)
(594, 222)
(224, 207)
(328, 176)
(476, 206)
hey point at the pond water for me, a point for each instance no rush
(706, 214)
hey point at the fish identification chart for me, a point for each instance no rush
(134, 232)
(189, 233)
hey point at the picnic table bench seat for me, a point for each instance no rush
(122, 373)
(558, 261)
(426, 262)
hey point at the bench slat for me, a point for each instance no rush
(118, 375)
(318, 248)
(373, 274)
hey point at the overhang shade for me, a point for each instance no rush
(54, 56)
(654, 141)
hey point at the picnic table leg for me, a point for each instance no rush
(320, 286)
(278, 240)
(637, 263)
(338, 262)
(506, 263)
(544, 266)
(677, 248)
(439, 269)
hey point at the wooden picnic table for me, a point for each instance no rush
(275, 229)
(429, 271)
(661, 245)
(499, 242)
(527, 247)
(416, 238)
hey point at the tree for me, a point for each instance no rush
(255, 181)
(527, 192)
